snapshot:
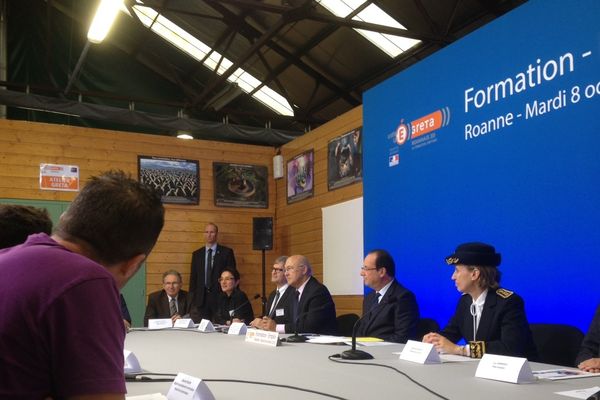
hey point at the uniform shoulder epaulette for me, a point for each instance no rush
(505, 294)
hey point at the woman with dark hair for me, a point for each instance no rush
(489, 318)
(232, 304)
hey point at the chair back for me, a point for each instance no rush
(556, 343)
(426, 325)
(345, 323)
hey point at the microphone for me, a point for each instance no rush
(232, 312)
(296, 338)
(354, 354)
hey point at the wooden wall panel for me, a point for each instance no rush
(299, 225)
(25, 145)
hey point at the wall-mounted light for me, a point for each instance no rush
(184, 135)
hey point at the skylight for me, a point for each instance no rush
(392, 45)
(181, 39)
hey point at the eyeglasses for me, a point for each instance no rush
(293, 267)
(363, 268)
(172, 283)
(226, 279)
(278, 269)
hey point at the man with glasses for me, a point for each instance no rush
(208, 262)
(170, 302)
(278, 303)
(390, 311)
(313, 309)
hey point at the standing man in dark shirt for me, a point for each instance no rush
(390, 311)
(208, 263)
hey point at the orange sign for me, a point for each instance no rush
(59, 177)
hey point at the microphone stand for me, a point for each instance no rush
(354, 354)
(295, 338)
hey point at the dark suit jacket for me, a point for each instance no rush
(394, 319)
(158, 305)
(222, 258)
(238, 301)
(284, 304)
(503, 325)
(590, 347)
(316, 310)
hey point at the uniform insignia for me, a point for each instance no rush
(505, 294)
(477, 348)
(451, 260)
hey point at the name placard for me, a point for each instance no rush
(206, 326)
(237, 328)
(262, 337)
(504, 368)
(419, 352)
(160, 323)
(132, 365)
(186, 387)
(184, 323)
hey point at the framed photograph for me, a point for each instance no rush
(241, 185)
(300, 177)
(344, 159)
(177, 180)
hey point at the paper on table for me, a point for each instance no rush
(325, 339)
(580, 393)
(446, 358)
(153, 396)
(562, 373)
(455, 358)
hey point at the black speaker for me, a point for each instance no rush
(262, 233)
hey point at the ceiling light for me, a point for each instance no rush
(103, 20)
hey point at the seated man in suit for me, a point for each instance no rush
(312, 305)
(390, 311)
(171, 302)
(279, 304)
(588, 358)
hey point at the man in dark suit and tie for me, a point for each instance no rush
(390, 311)
(171, 302)
(208, 263)
(279, 305)
(312, 305)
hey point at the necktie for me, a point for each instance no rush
(208, 268)
(274, 305)
(376, 300)
(173, 306)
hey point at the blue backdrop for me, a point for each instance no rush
(496, 138)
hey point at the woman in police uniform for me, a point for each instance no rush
(489, 318)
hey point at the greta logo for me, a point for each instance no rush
(420, 126)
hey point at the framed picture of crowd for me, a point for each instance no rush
(177, 180)
(344, 159)
(241, 185)
(300, 177)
